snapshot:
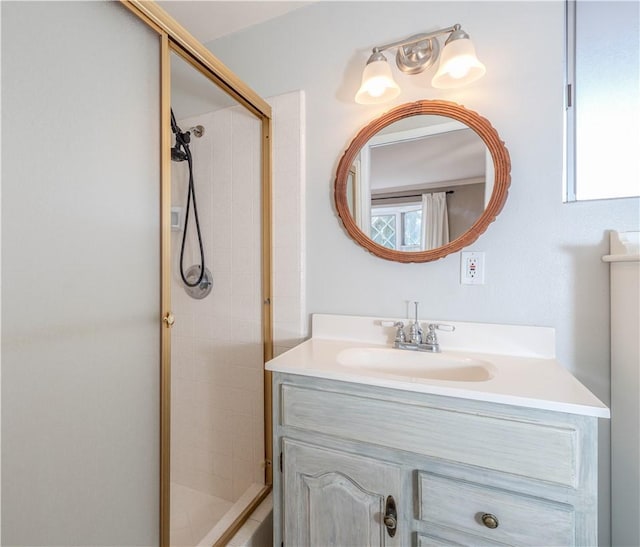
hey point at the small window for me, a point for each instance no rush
(384, 229)
(412, 230)
(398, 227)
(603, 99)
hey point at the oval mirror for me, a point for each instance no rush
(422, 181)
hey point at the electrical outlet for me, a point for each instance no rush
(471, 268)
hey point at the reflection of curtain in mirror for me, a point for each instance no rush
(435, 220)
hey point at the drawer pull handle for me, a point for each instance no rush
(391, 516)
(489, 520)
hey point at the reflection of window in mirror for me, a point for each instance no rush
(422, 156)
(603, 114)
(398, 227)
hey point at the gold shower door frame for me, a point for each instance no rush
(175, 38)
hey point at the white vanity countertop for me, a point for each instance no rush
(521, 376)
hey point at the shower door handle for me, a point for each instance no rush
(169, 319)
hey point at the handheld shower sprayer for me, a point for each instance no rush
(177, 154)
(198, 280)
(183, 138)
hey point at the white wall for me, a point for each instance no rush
(80, 278)
(288, 214)
(542, 256)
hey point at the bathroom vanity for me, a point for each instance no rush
(495, 445)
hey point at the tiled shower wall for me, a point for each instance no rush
(217, 391)
(217, 442)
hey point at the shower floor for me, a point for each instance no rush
(193, 514)
(199, 519)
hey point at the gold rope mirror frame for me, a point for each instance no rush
(481, 126)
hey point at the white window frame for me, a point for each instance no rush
(398, 211)
(571, 182)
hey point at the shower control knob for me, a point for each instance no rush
(169, 319)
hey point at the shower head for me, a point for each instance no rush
(180, 152)
(177, 154)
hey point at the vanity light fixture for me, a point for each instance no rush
(458, 64)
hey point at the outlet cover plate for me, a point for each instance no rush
(472, 268)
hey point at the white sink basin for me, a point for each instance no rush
(417, 364)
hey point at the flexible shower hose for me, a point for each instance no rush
(182, 141)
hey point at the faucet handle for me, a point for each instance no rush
(441, 326)
(400, 336)
(431, 338)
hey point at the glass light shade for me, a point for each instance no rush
(458, 65)
(377, 85)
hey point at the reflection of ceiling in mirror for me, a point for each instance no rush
(417, 122)
(429, 161)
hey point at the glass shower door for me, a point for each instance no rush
(217, 346)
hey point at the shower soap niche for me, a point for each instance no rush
(176, 219)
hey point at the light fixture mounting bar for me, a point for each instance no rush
(417, 38)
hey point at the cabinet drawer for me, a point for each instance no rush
(521, 519)
(513, 445)
(453, 539)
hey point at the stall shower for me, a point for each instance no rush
(217, 398)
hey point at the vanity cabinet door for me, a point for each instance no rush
(333, 498)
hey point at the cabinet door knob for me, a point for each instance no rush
(489, 520)
(390, 516)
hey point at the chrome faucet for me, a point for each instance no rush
(418, 340)
(415, 332)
